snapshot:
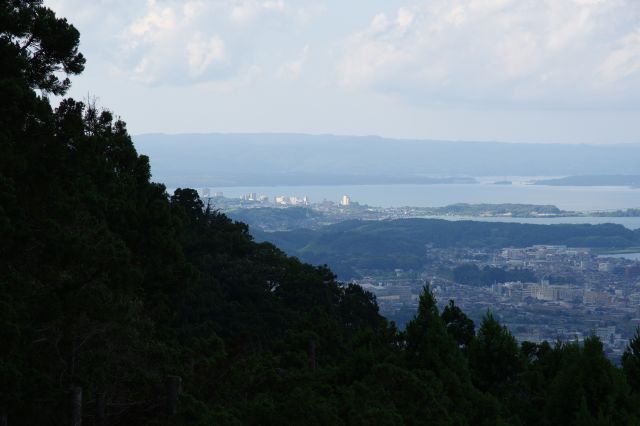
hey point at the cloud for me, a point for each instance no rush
(624, 61)
(291, 70)
(248, 11)
(546, 53)
(202, 52)
(184, 42)
(196, 41)
(169, 44)
(573, 53)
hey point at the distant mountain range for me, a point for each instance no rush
(593, 180)
(297, 159)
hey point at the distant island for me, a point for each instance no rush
(593, 180)
(617, 213)
(506, 209)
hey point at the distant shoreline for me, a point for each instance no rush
(632, 181)
(297, 213)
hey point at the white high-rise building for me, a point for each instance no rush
(345, 200)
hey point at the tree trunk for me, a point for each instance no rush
(173, 389)
(312, 355)
(100, 409)
(76, 406)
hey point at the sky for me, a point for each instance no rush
(548, 71)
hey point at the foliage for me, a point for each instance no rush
(472, 274)
(355, 245)
(494, 357)
(459, 325)
(631, 361)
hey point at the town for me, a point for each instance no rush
(576, 293)
(326, 212)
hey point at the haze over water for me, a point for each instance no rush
(564, 197)
(582, 199)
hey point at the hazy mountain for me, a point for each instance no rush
(290, 159)
(593, 180)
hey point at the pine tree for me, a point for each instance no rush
(494, 357)
(631, 362)
(459, 325)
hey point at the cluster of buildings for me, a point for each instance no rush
(208, 193)
(336, 210)
(252, 196)
(282, 200)
(576, 292)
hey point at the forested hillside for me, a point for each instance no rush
(116, 296)
(385, 245)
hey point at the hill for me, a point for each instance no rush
(297, 159)
(593, 180)
(386, 245)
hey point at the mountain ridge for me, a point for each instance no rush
(216, 159)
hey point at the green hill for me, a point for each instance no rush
(386, 245)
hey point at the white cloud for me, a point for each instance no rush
(184, 42)
(574, 53)
(456, 16)
(247, 11)
(273, 5)
(437, 64)
(551, 52)
(181, 42)
(158, 19)
(624, 61)
(291, 70)
(243, 12)
(202, 52)
(519, 54)
(379, 23)
(405, 18)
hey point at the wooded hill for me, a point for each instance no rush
(385, 245)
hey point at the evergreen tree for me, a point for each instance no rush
(494, 357)
(631, 362)
(587, 386)
(459, 325)
(430, 348)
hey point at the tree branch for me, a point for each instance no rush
(28, 43)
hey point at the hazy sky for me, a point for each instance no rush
(510, 70)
